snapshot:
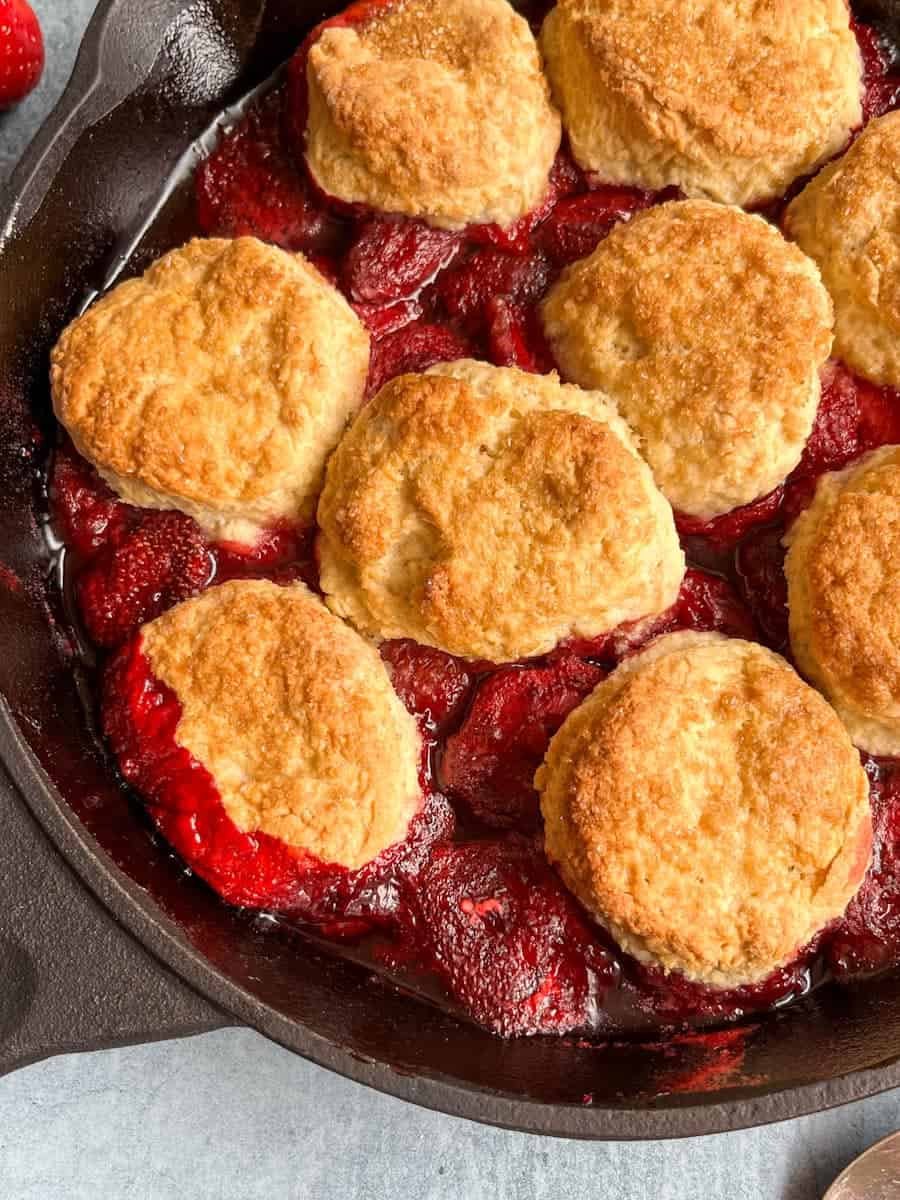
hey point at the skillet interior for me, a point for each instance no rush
(155, 80)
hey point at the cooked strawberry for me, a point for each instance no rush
(565, 178)
(251, 186)
(516, 337)
(87, 512)
(414, 348)
(509, 941)
(432, 684)
(760, 571)
(160, 561)
(725, 531)
(466, 289)
(490, 762)
(392, 258)
(577, 225)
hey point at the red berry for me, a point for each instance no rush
(709, 603)
(854, 416)
(414, 348)
(21, 51)
(490, 762)
(466, 289)
(565, 177)
(760, 571)
(578, 224)
(882, 91)
(509, 941)
(382, 319)
(250, 186)
(433, 685)
(516, 337)
(162, 560)
(88, 513)
(866, 938)
(725, 531)
(393, 258)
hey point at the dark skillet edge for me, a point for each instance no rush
(100, 81)
(163, 939)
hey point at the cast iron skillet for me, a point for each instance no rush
(102, 939)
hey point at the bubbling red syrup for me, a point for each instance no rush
(468, 897)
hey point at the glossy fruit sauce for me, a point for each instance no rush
(467, 910)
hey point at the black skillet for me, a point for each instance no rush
(103, 940)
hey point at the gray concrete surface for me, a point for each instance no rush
(232, 1116)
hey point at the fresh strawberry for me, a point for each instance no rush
(413, 348)
(162, 560)
(21, 51)
(392, 258)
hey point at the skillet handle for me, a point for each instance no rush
(70, 978)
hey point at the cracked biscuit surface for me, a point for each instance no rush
(435, 109)
(708, 330)
(708, 808)
(493, 513)
(294, 717)
(844, 596)
(217, 384)
(848, 220)
(730, 100)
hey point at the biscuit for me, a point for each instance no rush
(724, 99)
(436, 109)
(844, 596)
(708, 330)
(848, 220)
(294, 717)
(492, 513)
(708, 808)
(217, 384)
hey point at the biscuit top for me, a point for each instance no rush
(293, 715)
(436, 109)
(492, 513)
(708, 330)
(848, 220)
(217, 383)
(844, 591)
(708, 808)
(728, 99)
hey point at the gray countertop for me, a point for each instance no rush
(231, 1115)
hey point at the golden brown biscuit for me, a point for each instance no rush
(708, 330)
(708, 808)
(217, 383)
(293, 715)
(844, 596)
(722, 98)
(492, 513)
(436, 109)
(848, 220)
